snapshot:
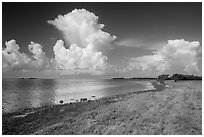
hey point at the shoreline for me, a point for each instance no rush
(155, 87)
(11, 121)
(117, 114)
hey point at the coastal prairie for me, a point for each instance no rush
(174, 110)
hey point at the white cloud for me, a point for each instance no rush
(39, 56)
(84, 51)
(140, 42)
(86, 39)
(13, 60)
(78, 58)
(177, 56)
(85, 47)
(129, 43)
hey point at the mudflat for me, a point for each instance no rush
(175, 110)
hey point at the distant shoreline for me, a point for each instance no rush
(134, 78)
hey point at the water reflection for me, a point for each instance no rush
(46, 90)
(23, 93)
(72, 90)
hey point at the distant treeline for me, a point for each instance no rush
(142, 78)
(179, 77)
(118, 78)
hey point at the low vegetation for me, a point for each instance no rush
(179, 77)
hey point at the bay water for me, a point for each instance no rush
(19, 94)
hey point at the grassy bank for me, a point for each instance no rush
(173, 110)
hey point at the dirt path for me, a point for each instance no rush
(175, 110)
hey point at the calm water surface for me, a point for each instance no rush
(25, 93)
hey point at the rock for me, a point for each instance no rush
(61, 101)
(83, 99)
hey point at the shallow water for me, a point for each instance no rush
(25, 93)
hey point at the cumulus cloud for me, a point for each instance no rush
(78, 58)
(177, 56)
(84, 51)
(87, 43)
(39, 57)
(14, 60)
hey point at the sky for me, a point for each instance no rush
(101, 40)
